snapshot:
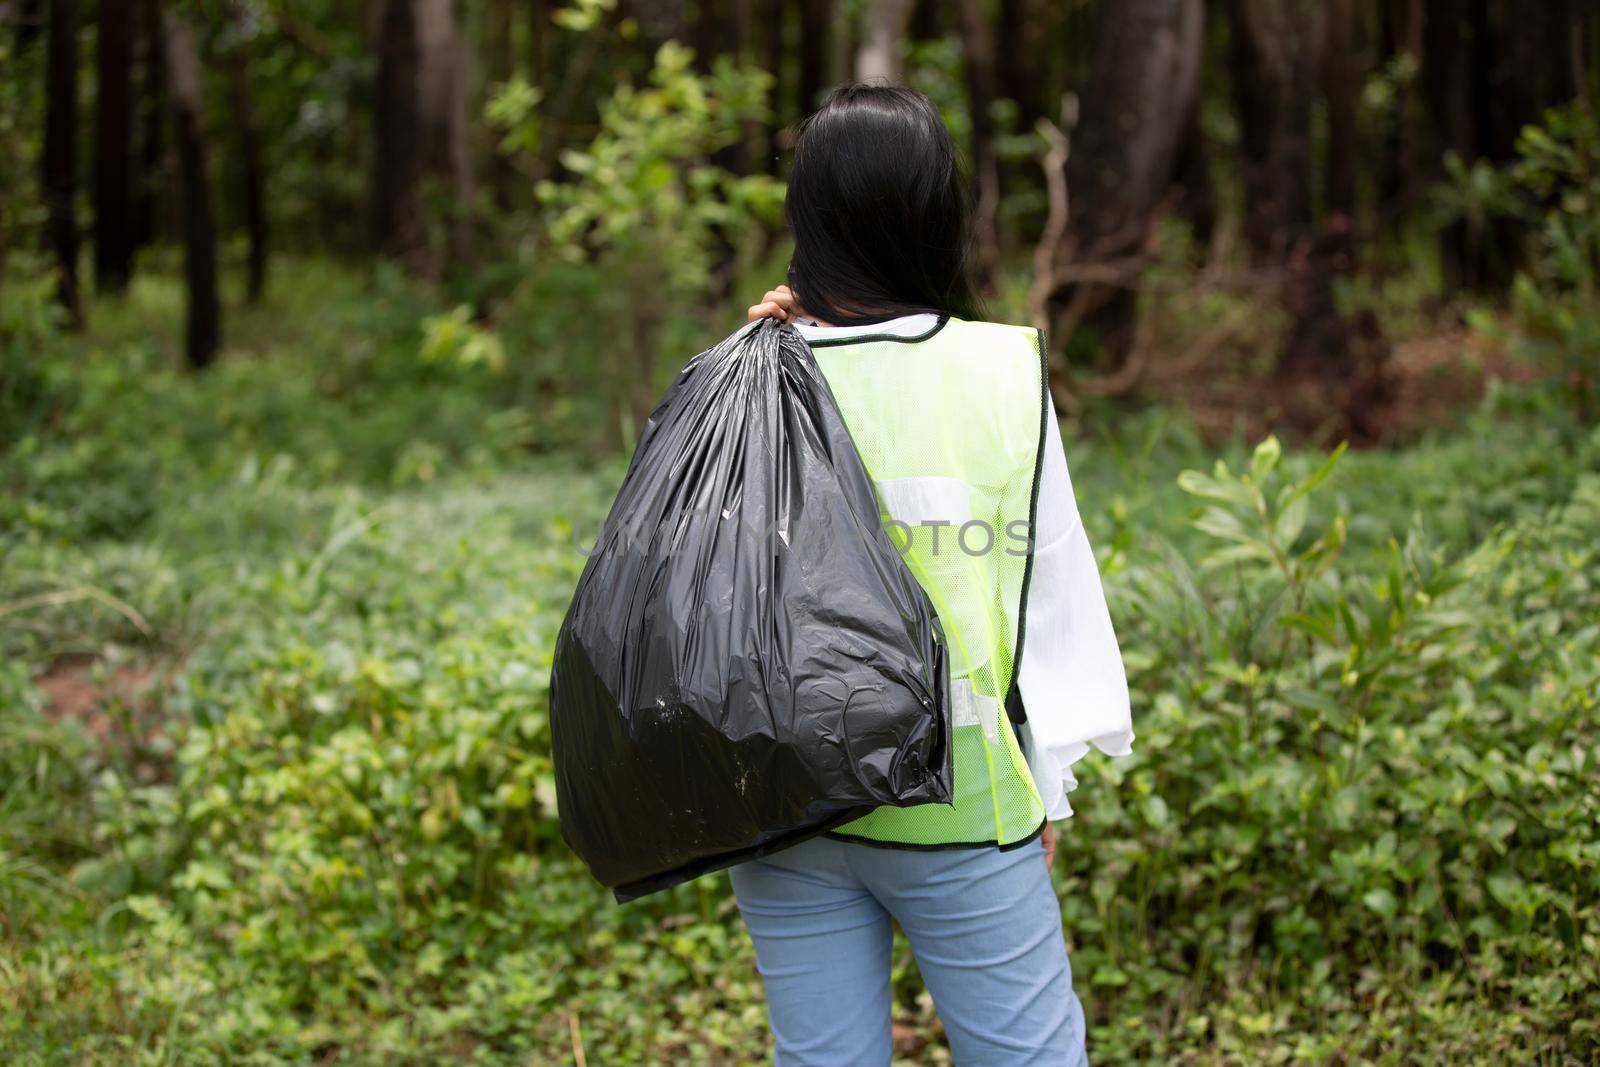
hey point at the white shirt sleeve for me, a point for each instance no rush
(1073, 686)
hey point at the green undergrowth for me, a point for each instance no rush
(274, 753)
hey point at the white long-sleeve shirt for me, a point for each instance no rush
(1073, 685)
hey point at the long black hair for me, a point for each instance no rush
(878, 207)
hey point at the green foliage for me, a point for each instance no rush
(1554, 188)
(643, 226)
(455, 337)
(583, 15)
(1557, 304)
(1352, 779)
(29, 319)
(644, 194)
(1360, 823)
(514, 109)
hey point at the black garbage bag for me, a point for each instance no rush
(747, 660)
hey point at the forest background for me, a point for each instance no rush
(325, 325)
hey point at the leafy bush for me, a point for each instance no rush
(650, 208)
(1554, 186)
(1351, 781)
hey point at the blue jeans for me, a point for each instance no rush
(985, 927)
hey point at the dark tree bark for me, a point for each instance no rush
(1278, 50)
(538, 74)
(1487, 70)
(1016, 44)
(397, 229)
(1285, 51)
(724, 27)
(29, 21)
(778, 101)
(844, 35)
(150, 178)
(927, 21)
(113, 204)
(814, 38)
(252, 175)
(1527, 72)
(252, 171)
(1452, 58)
(59, 174)
(739, 43)
(1197, 199)
(199, 225)
(977, 40)
(539, 27)
(445, 106)
(706, 33)
(1401, 174)
(499, 62)
(1343, 77)
(1141, 91)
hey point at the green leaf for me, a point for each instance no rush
(1265, 458)
(1226, 526)
(1317, 477)
(1225, 488)
(1379, 900)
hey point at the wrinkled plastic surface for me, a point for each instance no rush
(747, 660)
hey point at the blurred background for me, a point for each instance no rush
(326, 328)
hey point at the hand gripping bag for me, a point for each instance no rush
(747, 660)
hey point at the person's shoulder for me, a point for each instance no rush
(1019, 347)
(999, 332)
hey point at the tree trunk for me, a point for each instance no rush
(444, 93)
(1526, 71)
(59, 173)
(398, 232)
(1343, 78)
(113, 207)
(539, 27)
(1197, 197)
(977, 40)
(741, 46)
(1456, 62)
(1402, 174)
(883, 33)
(706, 33)
(445, 105)
(199, 226)
(1141, 90)
(29, 20)
(1332, 370)
(843, 21)
(777, 101)
(813, 54)
(1279, 46)
(150, 178)
(500, 62)
(1019, 78)
(252, 172)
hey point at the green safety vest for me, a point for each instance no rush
(950, 425)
